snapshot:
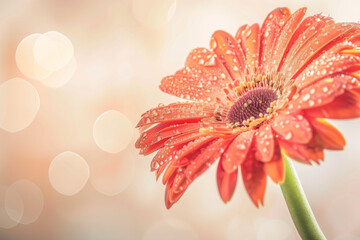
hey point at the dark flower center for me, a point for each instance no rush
(255, 103)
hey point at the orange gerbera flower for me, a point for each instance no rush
(265, 91)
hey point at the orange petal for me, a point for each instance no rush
(226, 183)
(270, 31)
(276, 168)
(236, 153)
(254, 179)
(158, 134)
(169, 172)
(329, 63)
(172, 197)
(303, 152)
(264, 142)
(306, 30)
(177, 113)
(192, 147)
(284, 38)
(180, 184)
(206, 158)
(150, 134)
(329, 135)
(227, 49)
(203, 78)
(249, 39)
(293, 128)
(325, 38)
(344, 106)
(322, 92)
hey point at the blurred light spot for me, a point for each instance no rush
(112, 131)
(19, 104)
(113, 177)
(25, 59)
(173, 229)
(53, 50)
(151, 14)
(68, 173)
(16, 213)
(274, 229)
(32, 201)
(61, 77)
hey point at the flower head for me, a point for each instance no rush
(264, 92)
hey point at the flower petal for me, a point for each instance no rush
(270, 30)
(177, 113)
(236, 153)
(249, 39)
(306, 30)
(192, 147)
(284, 38)
(202, 79)
(322, 92)
(227, 49)
(254, 178)
(324, 38)
(264, 142)
(226, 182)
(324, 66)
(206, 158)
(171, 196)
(161, 133)
(303, 152)
(344, 106)
(276, 168)
(331, 137)
(293, 128)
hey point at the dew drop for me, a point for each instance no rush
(288, 136)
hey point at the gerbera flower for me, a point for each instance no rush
(253, 96)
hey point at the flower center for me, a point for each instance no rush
(253, 105)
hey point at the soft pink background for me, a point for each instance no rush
(123, 51)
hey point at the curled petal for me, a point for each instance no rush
(226, 182)
(171, 196)
(293, 128)
(331, 137)
(254, 178)
(264, 142)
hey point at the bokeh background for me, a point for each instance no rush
(68, 167)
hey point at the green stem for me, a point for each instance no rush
(298, 205)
